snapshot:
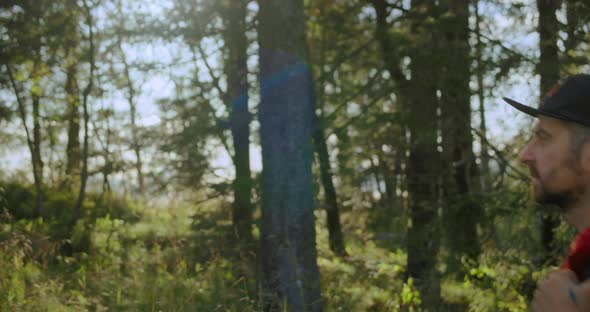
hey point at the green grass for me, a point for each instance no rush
(179, 258)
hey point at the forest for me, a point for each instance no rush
(260, 155)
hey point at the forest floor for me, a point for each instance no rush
(179, 258)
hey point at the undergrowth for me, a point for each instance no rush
(181, 258)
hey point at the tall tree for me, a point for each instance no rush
(479, 74)
(236, 73)
(85, 96)
(336, 239)
(71, 46)
(290, 275)
(419, 103)
(132, 101)
(460, 172)
(548, 69)
(423, 163)
(36, 92)
(37, 173)
(393, 50)
(28, 31)
(233, 17)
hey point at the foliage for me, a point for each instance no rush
(59, 204)
(179, 258)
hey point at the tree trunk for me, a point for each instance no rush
(423, 167)
(236, 71)
(419, 103)
(336, 238)
(30, 143)
(290, 275)
(73, 115)
(73, 152)
(87, 91)
(37, 159)
(392, 59)
(131, 97)
(460, 171)
(390, 183)
(486, 181)
(548, 69)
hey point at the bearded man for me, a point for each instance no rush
(558, 158)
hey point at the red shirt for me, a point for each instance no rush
(578, 259)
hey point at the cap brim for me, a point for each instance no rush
(523, 108)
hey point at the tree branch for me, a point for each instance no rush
(500, 157)
(211, 109)
(360, 91)
(215, 79)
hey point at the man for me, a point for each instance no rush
(558, 158)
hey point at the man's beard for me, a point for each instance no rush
(564, 199)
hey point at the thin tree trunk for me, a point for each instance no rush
(236, 71)
(548, 36)
(23, 115)
(484, 153)
(135, 144)
(85, 95)
(73, 152)
(389, 181)
(36, 97)
(290, 275)
(336, 238)
(376, 174)
(73, 115)
(549, 71)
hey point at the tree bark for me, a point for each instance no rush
(38, 167)
(85, 95)
(460, 171)
(290, 275)
(73, 152)
(236, 71)
(336, 238)
(548, 69)
(484, 153)
(418, 105)
(423, 165)
(73, 115)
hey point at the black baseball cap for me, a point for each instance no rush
(568, 101)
